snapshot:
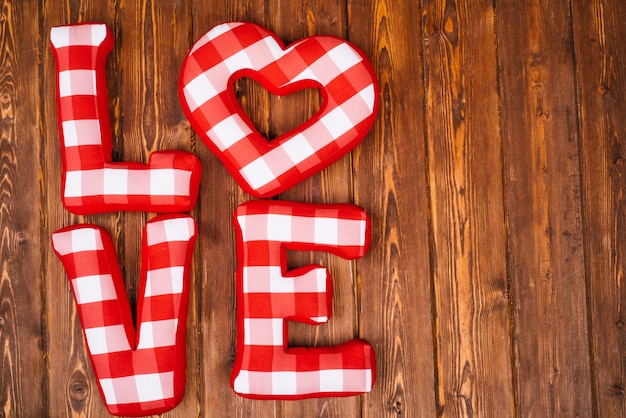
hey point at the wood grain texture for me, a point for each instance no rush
(494, 177)
(468, 248)
(292, 21)
(543, 201)
(393, 280)
(72, 390)
(219, 196)
(22, 344)
(599, 37)
(151, 52)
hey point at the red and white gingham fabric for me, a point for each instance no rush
(268, 296)
(138, 373)
(91, 182)
(233, 50)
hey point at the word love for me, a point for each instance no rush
(141, 371)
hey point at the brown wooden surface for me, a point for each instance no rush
(494, 177)
(542, 143)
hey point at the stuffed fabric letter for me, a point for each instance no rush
(233, 50)
(268, 296)
(138, 372)
(91, 182)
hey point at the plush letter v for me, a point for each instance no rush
(138, 372)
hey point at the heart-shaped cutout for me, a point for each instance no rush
(233, 50)
(286, 112)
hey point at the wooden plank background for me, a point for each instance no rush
(494, 178)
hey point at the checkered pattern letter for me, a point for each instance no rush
(233, 50)
(268, 296)
(91, 182)
(138, 372)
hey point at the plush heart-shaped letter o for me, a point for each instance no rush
(263, 168)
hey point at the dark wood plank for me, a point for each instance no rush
(600, 37)
(468, 240)
(22, 310)
(73, 389)
(292, 21)
(220, 195)
(153, 41)
(543, 203)
(393, 279)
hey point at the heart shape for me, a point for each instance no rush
(233, 50)
(254, 99)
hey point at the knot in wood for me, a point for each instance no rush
(78, 387)
(398, 407)
(395, 406)
(21, 236)
(602, 89)
(617, 390)
(6, 108)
